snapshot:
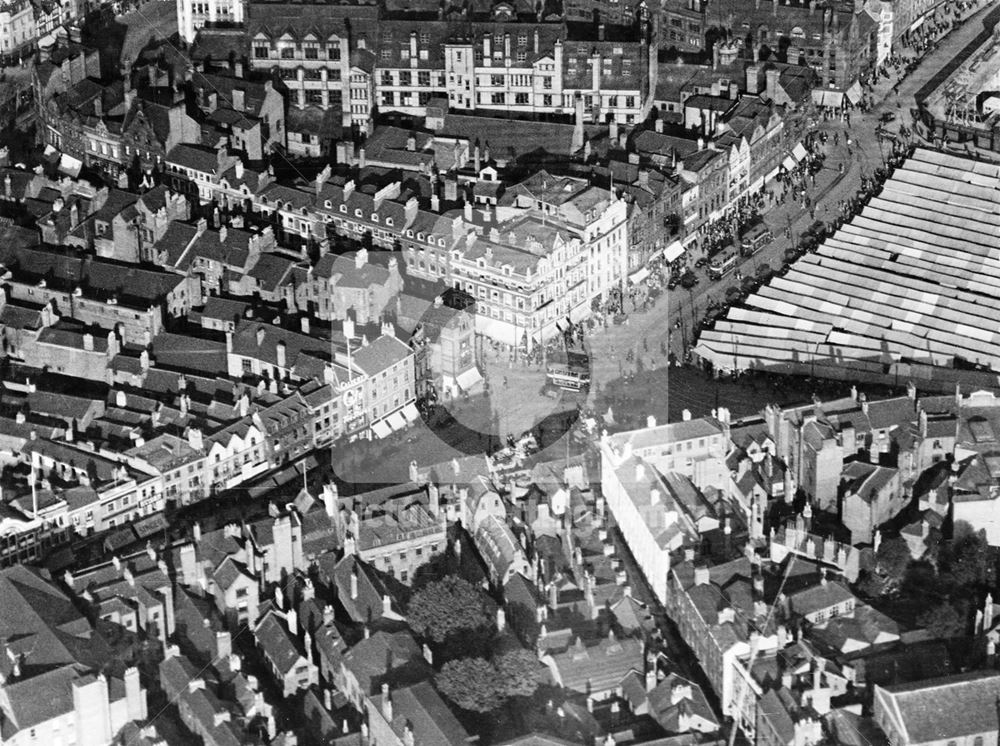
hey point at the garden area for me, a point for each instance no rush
(939, 592)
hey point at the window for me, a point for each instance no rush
(424, 78)
(521, 99)
(498, 98)
(425, 37)
(312, 52)
(496, 81)
(547, 99)
(547, 82)
(261, 53)
(287, 53)
(405, 78)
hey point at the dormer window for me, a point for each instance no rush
(441, 242)
(328, 204)
(420, 236)
(409, 234)
(388, 221)
(357, 212)
(374, 217)
(343, 208)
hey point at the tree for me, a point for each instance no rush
(893, 557)
(516, 670)
(448, 607)
(871, 584)
(472, 684)
(967, 558)
(941, 621)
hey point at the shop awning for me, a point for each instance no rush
(917, 24)
(579, 312)
(799, 152)
(396, 420)
(411, 413)
(854, 93)
(468, 379)
(827, 98)
(673, 251)
(788, 163)
(639, 275)
(381, 429)
(563, 324)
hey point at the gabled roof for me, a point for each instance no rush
(276, 642)
(422, 709)
(950, 707)
(372, 659)
(820, 597)
(381, 354)
(597, 667)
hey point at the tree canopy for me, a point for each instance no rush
(450, 607)
(471, 683)
(516, 669)
(942, 621)
(893, 557)
(481, 686)
(967, 558)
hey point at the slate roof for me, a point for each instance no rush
(819, 597)
(197, 157)
(423, 710)
(371, 659)
(276, 642)
(667, 713)
(510, 140)
(950, 707)
(39, 622)
(367, 607)
(597, 667)
(381, 354)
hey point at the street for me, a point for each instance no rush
(859, 159)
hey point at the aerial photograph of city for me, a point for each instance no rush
(500, 372)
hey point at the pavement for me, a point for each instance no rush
(516, 389)
(831, 188)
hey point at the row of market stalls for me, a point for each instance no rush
(833, 99)
(911, 279)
